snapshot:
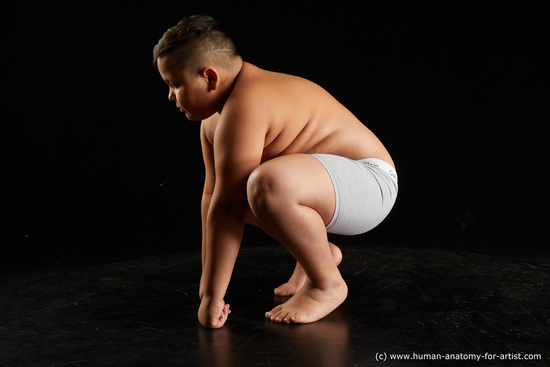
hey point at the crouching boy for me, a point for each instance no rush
(280, 153)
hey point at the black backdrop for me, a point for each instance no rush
(105, 168)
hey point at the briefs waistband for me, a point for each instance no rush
(384, 166)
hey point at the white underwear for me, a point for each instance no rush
(365, 192)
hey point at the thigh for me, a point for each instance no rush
(297, 178)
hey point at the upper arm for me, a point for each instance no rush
(208, 158)
(237, 148)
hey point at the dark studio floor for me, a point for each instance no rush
(401, 301)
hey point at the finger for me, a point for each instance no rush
(227, 311)
(219, 322)
(224, 315)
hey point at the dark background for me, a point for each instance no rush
(103, 167)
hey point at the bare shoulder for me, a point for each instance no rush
(246, 111)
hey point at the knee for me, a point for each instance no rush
(263, 188)
(257, 188)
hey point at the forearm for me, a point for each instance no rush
(205, 205)
(224, 231)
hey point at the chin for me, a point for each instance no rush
(192, 117)
(197, 117)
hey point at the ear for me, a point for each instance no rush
(212, 78)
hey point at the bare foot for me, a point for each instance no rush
(310, 303)
(298, 278)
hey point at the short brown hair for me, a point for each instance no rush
(192, 39)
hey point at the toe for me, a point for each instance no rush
(289, 318)
(275, 311)
(280, 317)
(281, 290)
(274, 316)
(296, 319)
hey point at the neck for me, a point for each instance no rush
(231, 78)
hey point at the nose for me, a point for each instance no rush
(171, 95)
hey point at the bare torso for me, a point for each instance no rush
(300, 117)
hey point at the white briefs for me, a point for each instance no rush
(365, 191)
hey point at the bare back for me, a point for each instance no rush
(300, 117)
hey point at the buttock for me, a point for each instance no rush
(365, 192)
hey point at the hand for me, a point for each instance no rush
(213, 315)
